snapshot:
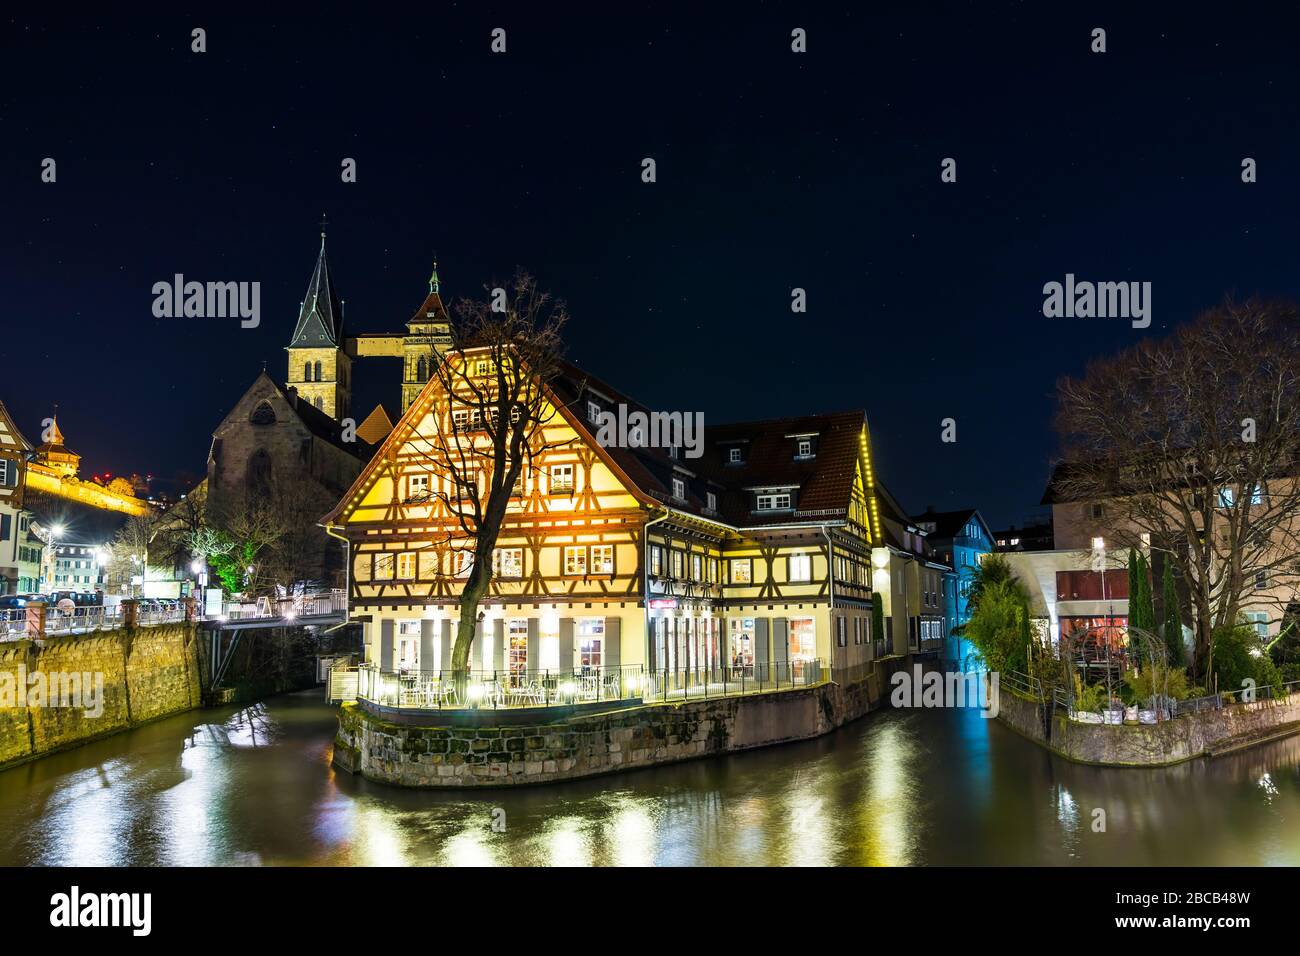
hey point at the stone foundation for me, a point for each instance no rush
(589, 745)
(148, 673)
(1152, 745)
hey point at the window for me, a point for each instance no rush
(383, 567)
(590, 641)
(697, 567)
(656, 560)
(773, 502)
(679, 564)
(742, 642)
(733, 456)
(602, 559)
(800, 567)
(1260, 620)
(406, 565)
(713, 570)
(561, 478)
(1096, 511)
(466, 490)
(318, 377)
(4, 471)
(517, 649)
(462, 562)
(805, 447)
(417, 487)
(482, 367)
(593, 413)
(742, 571)
(857, 630)
(672, 452)
(679, 489)
(1226, 497)
(841, 633)
(509, 562)
(575, 561)
(803, 640)
(711, 501)
(1261, 580)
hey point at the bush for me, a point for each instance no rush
(1239, 656)
(1151, 682)
(998, 627)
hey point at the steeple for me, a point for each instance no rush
(433, 279)
(320, 317)
(320, 369)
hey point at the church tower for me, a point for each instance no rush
(428, 337)
(319, 368)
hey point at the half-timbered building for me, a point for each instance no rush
(753, 557)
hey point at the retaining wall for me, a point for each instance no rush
(589, 745)
(1152, 745)
(147, 673)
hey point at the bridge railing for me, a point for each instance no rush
(38, 621)
(319, 604)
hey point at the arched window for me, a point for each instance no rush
(306, 371)
(258, 478)
(320, 404)
(421, 370)
(262, 414)
(318, 378)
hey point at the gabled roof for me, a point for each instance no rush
(825, 481)
(948, 524)
(11, 439)
(317, 422)
(320, 318)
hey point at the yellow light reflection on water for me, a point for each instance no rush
(888, 817)
(632, 837)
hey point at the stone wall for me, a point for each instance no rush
(148, 672)
(1152, 745)
(590, 745)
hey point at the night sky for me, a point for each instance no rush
(775, 170)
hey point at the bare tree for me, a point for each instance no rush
(488, 426)
(1193, 441)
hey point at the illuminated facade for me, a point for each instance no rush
(755, 555)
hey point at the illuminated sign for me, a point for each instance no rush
(658, 604)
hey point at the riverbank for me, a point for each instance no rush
(589, 745)
(1180, 739)
(65, 691)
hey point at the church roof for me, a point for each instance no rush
(320, 320)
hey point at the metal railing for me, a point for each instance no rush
(322, 604)
(1194, 705)
(498, 689)
(502, 689)
(18, 624)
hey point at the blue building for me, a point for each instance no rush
(960, 540)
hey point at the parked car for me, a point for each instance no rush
(12, 602)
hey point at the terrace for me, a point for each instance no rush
(512, 696)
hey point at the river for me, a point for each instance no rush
(253, 785)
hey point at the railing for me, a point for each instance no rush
(304, 605)
(28, 622)
(1194, 705)
(501, 689)
(497, 689)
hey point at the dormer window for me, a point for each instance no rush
(679, 489)
(711, 501)
(672, 452)
(805, 448)
(593, 413)
(733, 456)
(773, 501)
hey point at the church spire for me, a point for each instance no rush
(433, 279)
(320, 317)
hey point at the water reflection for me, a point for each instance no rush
(253, 786)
